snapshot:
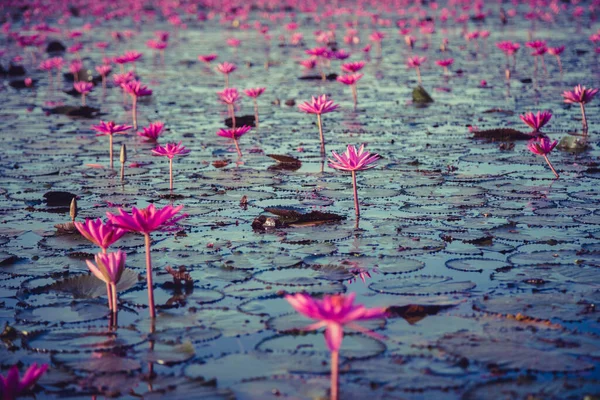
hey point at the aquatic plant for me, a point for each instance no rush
(135, 89)
(416, 62)
(582, 95)
(354, 160)
(353, 67)
(83, 88)
(109, 268)
(103, 70)
(254, 94)
(99, 233)
(171, 150)
(13, 385)
(319, 105)
(110, 128)
(334, 313)
(235, 134)
(226, 68)
(146, 221)
(556, 52)
(351, 80)
(230, 96)
(536, 121)
(152, 132)
(542, 146)
(445, 63)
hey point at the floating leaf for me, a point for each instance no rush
(98, 363)
(509, 355)
(353, 345)
(234, 368)
(421, 285)
(88, 286)
(566, 307)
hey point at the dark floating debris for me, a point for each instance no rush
(287, 217)
(241, 121)
(59, 199)
(330, 77)
(501, 134)
(284, 163)
(83, 111)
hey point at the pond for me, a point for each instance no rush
(486, 264)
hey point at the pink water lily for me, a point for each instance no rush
(354, 160)
(351, 80)
(254, 93)
(536, 121)
(109, 268)
(334, 313)
(135, 89)
(110, 128)
(152, 132)
(582, 95)
(83, 88)
(235, 134)
(230, 96)
(445, 63)
(146, 221)
(171, 150)
(416, 62)
(319, 105)
(12, 386)
(543, 146)
(353, 67)
(99, 233)
(226, 68)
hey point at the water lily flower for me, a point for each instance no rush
(354, 160)
(235, 134)
(226, 68)
(582, 95)
(254, 93)
(416, 62)
(109, 268)
(152, 131)
(230, 96)
(110, 128)
(12, 386)
(445, 63)
(334, 313)
(536, 121)
(351, 80)
(319, 105)
(135, 89)
(83, 88)
(146, 221)
(171, 150)
(543, 146)
(353, 67)
(99, 233)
